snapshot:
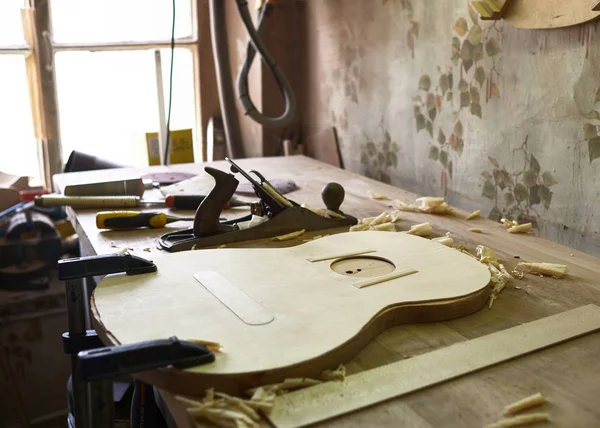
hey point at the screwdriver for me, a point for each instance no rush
(135, 219)
(191, 202)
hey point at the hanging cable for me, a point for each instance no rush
(255, 45)
(168, 139)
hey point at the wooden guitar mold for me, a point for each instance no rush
(286, 312)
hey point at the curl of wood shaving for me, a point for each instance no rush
(520, 420)
(429, 205)
(385, 227)
(383, 222)
(338, 374)
(516, 274)
(444, 240)
(486, 255)
(473, 215)
(508, 223)
(377, 195)
(525, 404)
(423, 229)
(323, 212)
(229, 411)
(289, 236)
(521, 228)
(499, 276)
(475, 230)
(211, 346)
(551, 269)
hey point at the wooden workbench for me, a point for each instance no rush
(568, 374)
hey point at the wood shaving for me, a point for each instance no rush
(473, 215)
(423, 229)
(508, 223)
(222, 246)
(521, 228)
(516, 274)
(148, 249)
(551, 269)
(383, 222)
(444, 240)
(475, 229)
(385, 227)
(499, 276)
(429, 205)
(289, 236)
(330, 213)
(366, 220)
(486, 255)
(498, 280)
(359, 227)
(517, 421)
(380, 219)
(212, 346)
(338, 374)
(525, 404)
(377, 195)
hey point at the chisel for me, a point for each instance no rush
(191, 202)
(93, 201)
(135, 219)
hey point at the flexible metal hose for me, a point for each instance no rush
(255, 45)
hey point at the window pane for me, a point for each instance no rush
(18, 148)
(107, 101)
(11, 31)
(86, 21)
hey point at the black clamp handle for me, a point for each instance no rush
(113, 361)
(81, 267)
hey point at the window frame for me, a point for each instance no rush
(40, 52)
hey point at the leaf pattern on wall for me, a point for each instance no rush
(413, 32)
(377, 158)
(474, 50)
(591, 130)
(517, 194)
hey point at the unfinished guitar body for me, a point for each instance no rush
(287, 312)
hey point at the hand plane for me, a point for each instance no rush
(283, 215)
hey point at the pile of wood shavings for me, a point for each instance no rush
(227, 411)
(429, 205)
(384, 221)
(500, 276)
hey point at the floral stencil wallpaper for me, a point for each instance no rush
(434, 100)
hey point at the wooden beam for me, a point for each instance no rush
(331, 399)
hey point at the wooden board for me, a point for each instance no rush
(277, 313)
(331, 399)
(549, 13)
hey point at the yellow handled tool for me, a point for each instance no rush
(135, 219)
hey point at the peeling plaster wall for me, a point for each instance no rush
(433, 100)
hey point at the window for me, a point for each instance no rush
(97, 86)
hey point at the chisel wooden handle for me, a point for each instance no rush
(87, 201)
(130, 219)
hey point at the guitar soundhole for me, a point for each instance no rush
(362, 266)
